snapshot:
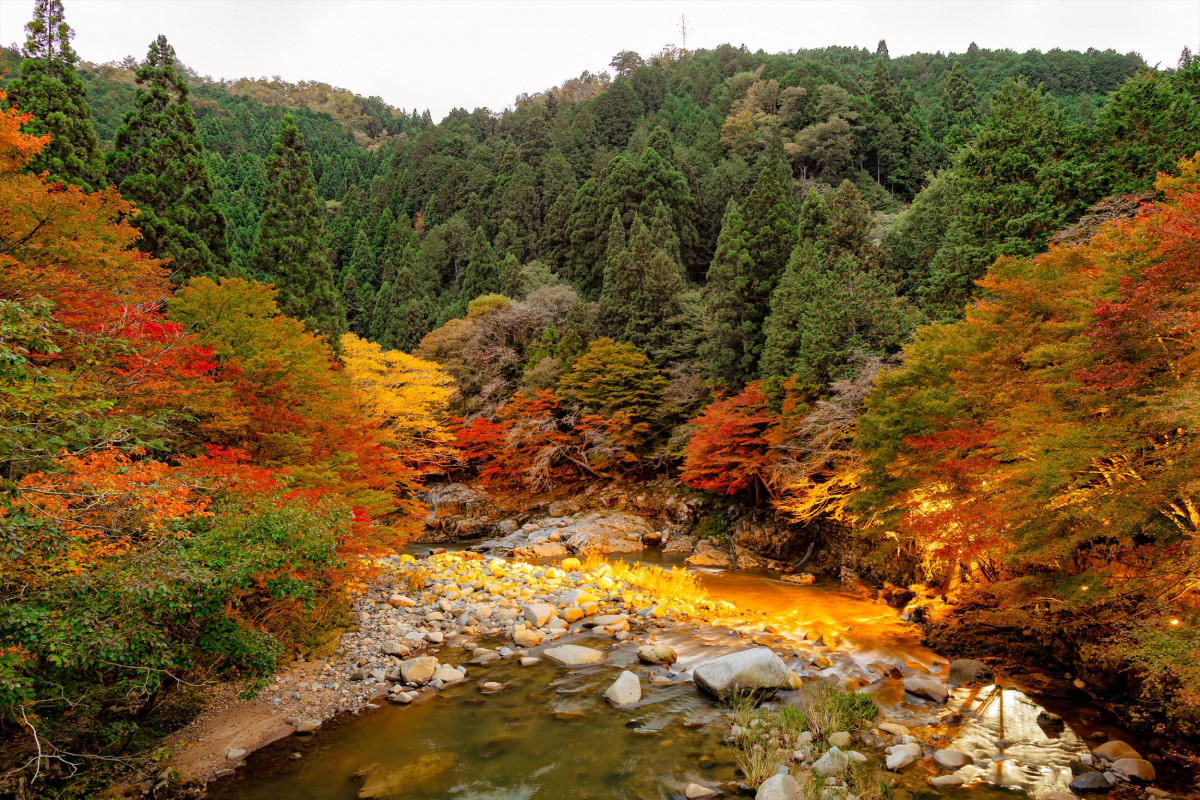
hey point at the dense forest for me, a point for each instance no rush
(946, 301)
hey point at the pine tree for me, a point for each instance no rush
(51, 90)
(482, 275)
(291, 250)
(158, 162)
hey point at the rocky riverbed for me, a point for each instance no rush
(460, 625)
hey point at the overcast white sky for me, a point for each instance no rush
(439, 55)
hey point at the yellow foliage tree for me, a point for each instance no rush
(405, 395)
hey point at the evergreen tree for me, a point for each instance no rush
(511, 277)
(158, 162)
(813, 225)
(508, 241)
(482, 275)
(619, 276)
(352, 301)
(728, 350)
(827, 313)
(1012, 187)
(51, 90)
(291, 251)
(584, 264)
(654, 305)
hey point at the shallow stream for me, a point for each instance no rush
(549, 734)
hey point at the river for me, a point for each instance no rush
(550, 735)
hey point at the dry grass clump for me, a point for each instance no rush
(675, 587)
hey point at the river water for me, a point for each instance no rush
(549, 734)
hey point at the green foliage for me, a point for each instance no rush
(290, 249)
(614, 377)
(158, 162)
(49, 87)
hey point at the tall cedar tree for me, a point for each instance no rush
(743, 275)
(158, 163)
(291, 250)
(51, 90)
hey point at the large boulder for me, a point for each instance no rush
(969, 672)
(1138, 768)
(659, 654)
(757, 670)
(709, 555)
(572, 655)
(418, 671)
(680, 544)
(1114, 750)
(625, 690)
(602, 533)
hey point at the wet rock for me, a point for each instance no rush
(1114, 750)
(800, 578)
(1090, 782)
(946, 781)
(524, 637)
(491, 687)
(625, 691)
(707, 554)
(657, 654)
(1137, 768)
(778, 787)
(680, 544)
(1078, 767)
(448, 675)
(572, 655)
(306, 725)
(529, 661)
(894, 728)
(694, 791)
(901, 755)
(403, 776)
(748, 671)
(928, 688)
(542, 550)
(1051, 724)
(1058, 796)
(950, 759)
(418, 671)
(968, 672)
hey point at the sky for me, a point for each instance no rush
(472, 53)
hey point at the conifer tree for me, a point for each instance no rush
(158, 162)
(728, 351)
(618, 280)
(655, 301)
(51, 90)
(291, 251)
(482, 275)
(510, 276)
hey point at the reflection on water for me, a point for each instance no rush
(550, 734)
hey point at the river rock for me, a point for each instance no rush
(538, 614)
(928, 688)
(1058, 796)
(613, 621)
(1134, 768)
(1090, 782)
(572, 655)
(778, 787)
(1114, 750)
(418, 671)
(709, 555)
(524, 637)
(839, 739)
(894, 728)
(576, 597)
(435, 637)
(625, 690)
(694, 791)
(393, 649)
(602, 533)
(969, 672)
(901, 755)
(571, 614)
(529, 661)
(754, 670)
(833, 763)
(306, 725)
(800, 578)
(390, 779)
(951, 759)
(946, 781)
(680, 544)
(659, 654)
(448, 675)
(235, 754)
